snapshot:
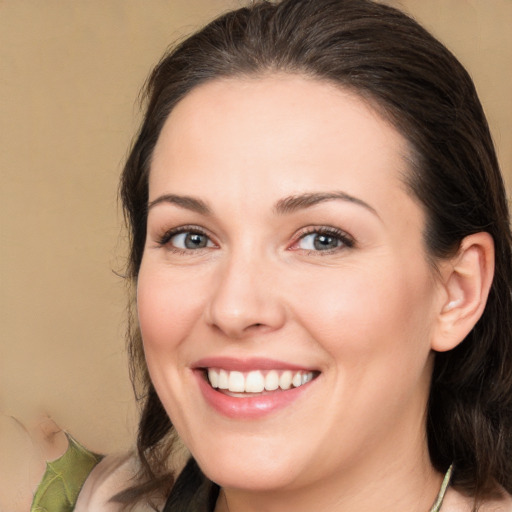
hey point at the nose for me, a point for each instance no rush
(245, 299)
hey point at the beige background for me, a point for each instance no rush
(69, 76)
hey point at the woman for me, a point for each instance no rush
(321, 253)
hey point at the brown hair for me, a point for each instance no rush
(416, 83)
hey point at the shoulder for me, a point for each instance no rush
(501, 504)
(110, 476)
(114, 474)
(21, 466)
(25, 448)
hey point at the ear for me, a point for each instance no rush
(466, 279)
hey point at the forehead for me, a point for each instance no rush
(280, 133)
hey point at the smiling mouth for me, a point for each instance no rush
(257, 381)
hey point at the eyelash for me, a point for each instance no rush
(347, 241)
(164, 239)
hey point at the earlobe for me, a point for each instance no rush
(466, 281)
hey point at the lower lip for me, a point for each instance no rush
(251, 407)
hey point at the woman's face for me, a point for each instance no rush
(284, 251)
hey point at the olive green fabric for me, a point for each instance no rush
(63, 479)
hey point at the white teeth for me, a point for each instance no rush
(254, 382)
(272, 380)
(213, 377)
(223, 379)
(236, 382)
(285, 381)
(297, 379)
(257, 381)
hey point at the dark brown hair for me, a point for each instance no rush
(419, 86)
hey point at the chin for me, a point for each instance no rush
(251, 477)
(253, 468)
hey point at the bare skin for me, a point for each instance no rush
(25, 448)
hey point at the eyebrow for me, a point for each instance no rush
(286, 205)
(301, 201)
(187, 202)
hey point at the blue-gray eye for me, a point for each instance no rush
(319, 242)
(190, 240)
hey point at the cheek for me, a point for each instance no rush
(375, 327)
(168, 306)
(368, 311)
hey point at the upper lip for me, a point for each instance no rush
(247, 365)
